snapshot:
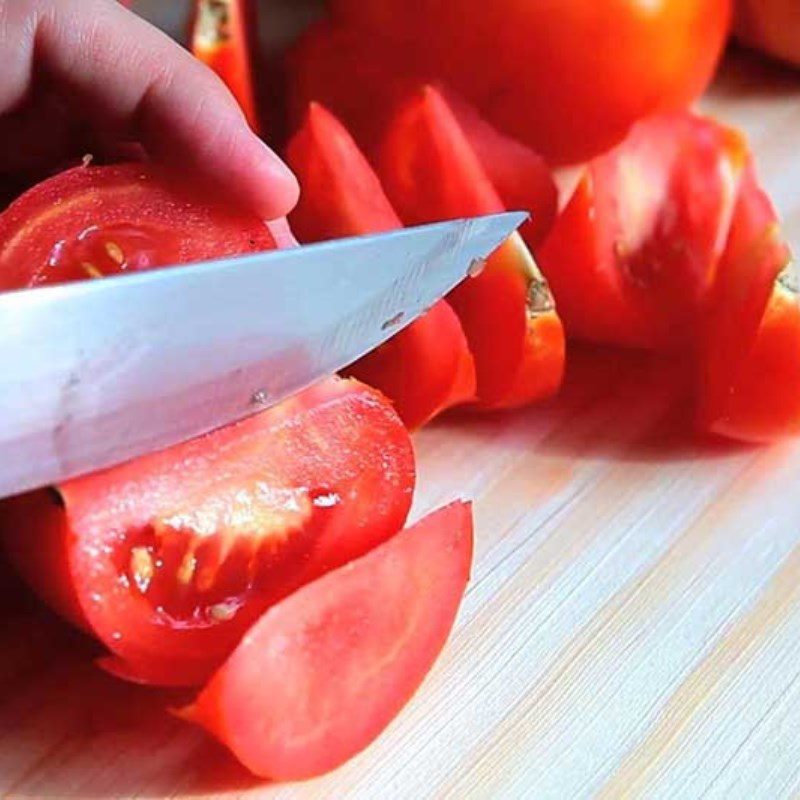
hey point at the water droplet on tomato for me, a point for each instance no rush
(326, 499)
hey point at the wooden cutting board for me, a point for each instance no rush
(632, 626)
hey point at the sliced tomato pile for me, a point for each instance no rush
(323, 68)
(669, 243)
(431, 172)
(340, 658)
(426, 368)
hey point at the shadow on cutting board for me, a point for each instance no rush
(69, 730)
(616, 405)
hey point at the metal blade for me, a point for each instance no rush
(93, 374)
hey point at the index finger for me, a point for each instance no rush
(132, 76)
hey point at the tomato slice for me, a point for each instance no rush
(168, 559)
(320, 675)
(750, 351)
(427, 367)
(330, 60)
(430, 172)
(521, 176)
(89, 222)
(633, 257)
(222, 35)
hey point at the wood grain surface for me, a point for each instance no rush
(632, 628)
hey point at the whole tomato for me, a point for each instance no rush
(567, 77)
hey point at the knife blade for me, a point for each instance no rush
(93, 374)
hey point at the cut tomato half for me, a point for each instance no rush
(89, 222)
(431, 173)
(320, 675)
(633, 257)
(170, 558)
(223, 35)
(750, 349)
(427, 367)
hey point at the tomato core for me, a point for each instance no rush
(100, 251)
(198, 568)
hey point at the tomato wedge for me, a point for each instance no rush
(222, 35)
(427, 367)
(89, 222)
(170, 558)
(330, 60)
(633, 257)
(320, 675)
(750, 351)
(430, 172)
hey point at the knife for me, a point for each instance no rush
(93, 374)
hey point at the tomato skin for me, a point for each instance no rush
(43, 234)
(320, 675)
(431, 173)
(633, 257)
(171, 557)
(427, 367)
(566, 78)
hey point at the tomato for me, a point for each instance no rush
(430, 172)
(89, 222)
(633, 257)
(330, 60)
(320, 675)
(566, 78)
(750, 351)
(222, 35)
(170, 558)
(427, 367)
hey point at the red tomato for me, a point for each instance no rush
(89, 222)
(567, 78)
(750, 352)
(427, 367)
(223, 35)
(319, 676)
(170, 558)
(632, 258)
(331, 59)
(431, 172)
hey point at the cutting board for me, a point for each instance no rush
(632, 627)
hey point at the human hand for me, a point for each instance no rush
(89, 76)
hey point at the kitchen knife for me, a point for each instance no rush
(95, 373)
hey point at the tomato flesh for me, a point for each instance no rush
(320, 675)
(427, 367)
(431, 173)
(90, 222)
(633, 257)
(172, 556)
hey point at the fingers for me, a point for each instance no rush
(127, 75)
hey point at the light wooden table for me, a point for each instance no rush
(632, 627)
